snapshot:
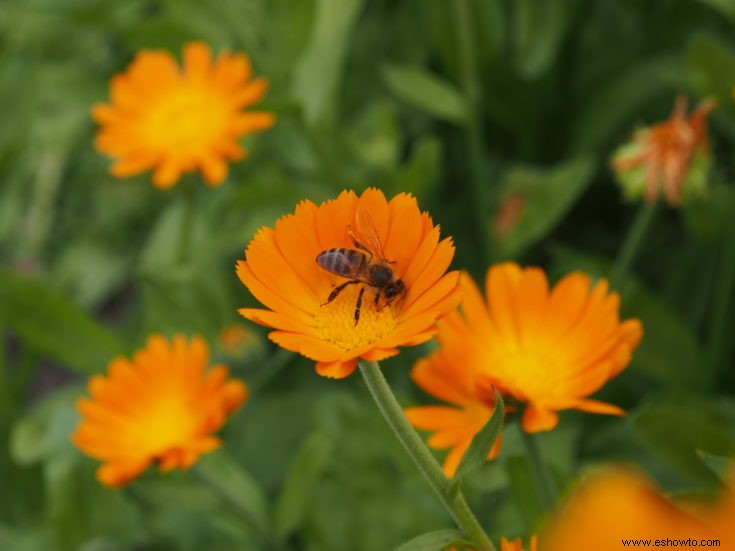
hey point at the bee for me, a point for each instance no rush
(365, 264)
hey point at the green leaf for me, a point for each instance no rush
(53, 325)
(427, 92)
(435, 541)
(679, 429)
(304, 473)
(548, 195)
(718, 464)
(476, 455)
(228, 478)
(540, 29)
(670, 348)
(318, 71)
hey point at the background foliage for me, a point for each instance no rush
(434, 98)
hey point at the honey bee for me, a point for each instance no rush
(365, 264)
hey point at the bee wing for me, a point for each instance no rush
(367, 232)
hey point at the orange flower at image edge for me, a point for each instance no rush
(161, 406)
(175, 120)
(361, 320)
(546, 348)
(622, 504)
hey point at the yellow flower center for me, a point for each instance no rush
(191, 118)
(166, 424)
(336, 321)
(535, 368)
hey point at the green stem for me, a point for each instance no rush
(632, 244)
(464, 25)
(724, 287)
(540, 472)
(452, 498)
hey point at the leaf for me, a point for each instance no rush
(435, 541)
(234, 484)
(719, 464)
(476, 455)
(678, 429)
(319, 69)
(670, 350)
(53, 325)
(540, 29)
(28, 539)
(548, 195)
(305, 471)
(427, 92)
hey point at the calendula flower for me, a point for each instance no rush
(547, 349)
(671, 157)
(175, 120)
(509, 212)
(622, 504)
(355, 277)
(163, 407)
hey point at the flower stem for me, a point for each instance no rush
(466, 46)
(540, 472)
(632, 244)
(452, 499)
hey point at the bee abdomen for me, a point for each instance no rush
(341, 261)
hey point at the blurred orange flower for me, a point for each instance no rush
(517, 544)
(325, 316)
(175, 120)
(622, 504)
(549, 349)
(161, 406)
(670, 157)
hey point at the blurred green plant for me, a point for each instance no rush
(463, 104)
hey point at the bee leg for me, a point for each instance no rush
(357, 244)
(377, 302)
(358, 305)
(338, 289)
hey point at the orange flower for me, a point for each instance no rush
(671, 156)
(176, 120)
(325, 316)
(549, 349)
(622, 504)
(517, 544)
(161, 406)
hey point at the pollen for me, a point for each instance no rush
(336, 321)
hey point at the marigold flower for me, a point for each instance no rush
(549, 349)
(175, 120)
(281, 270)
(622, 504)
(161, 407)
(670, 157)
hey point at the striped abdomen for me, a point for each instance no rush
(343, 262)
